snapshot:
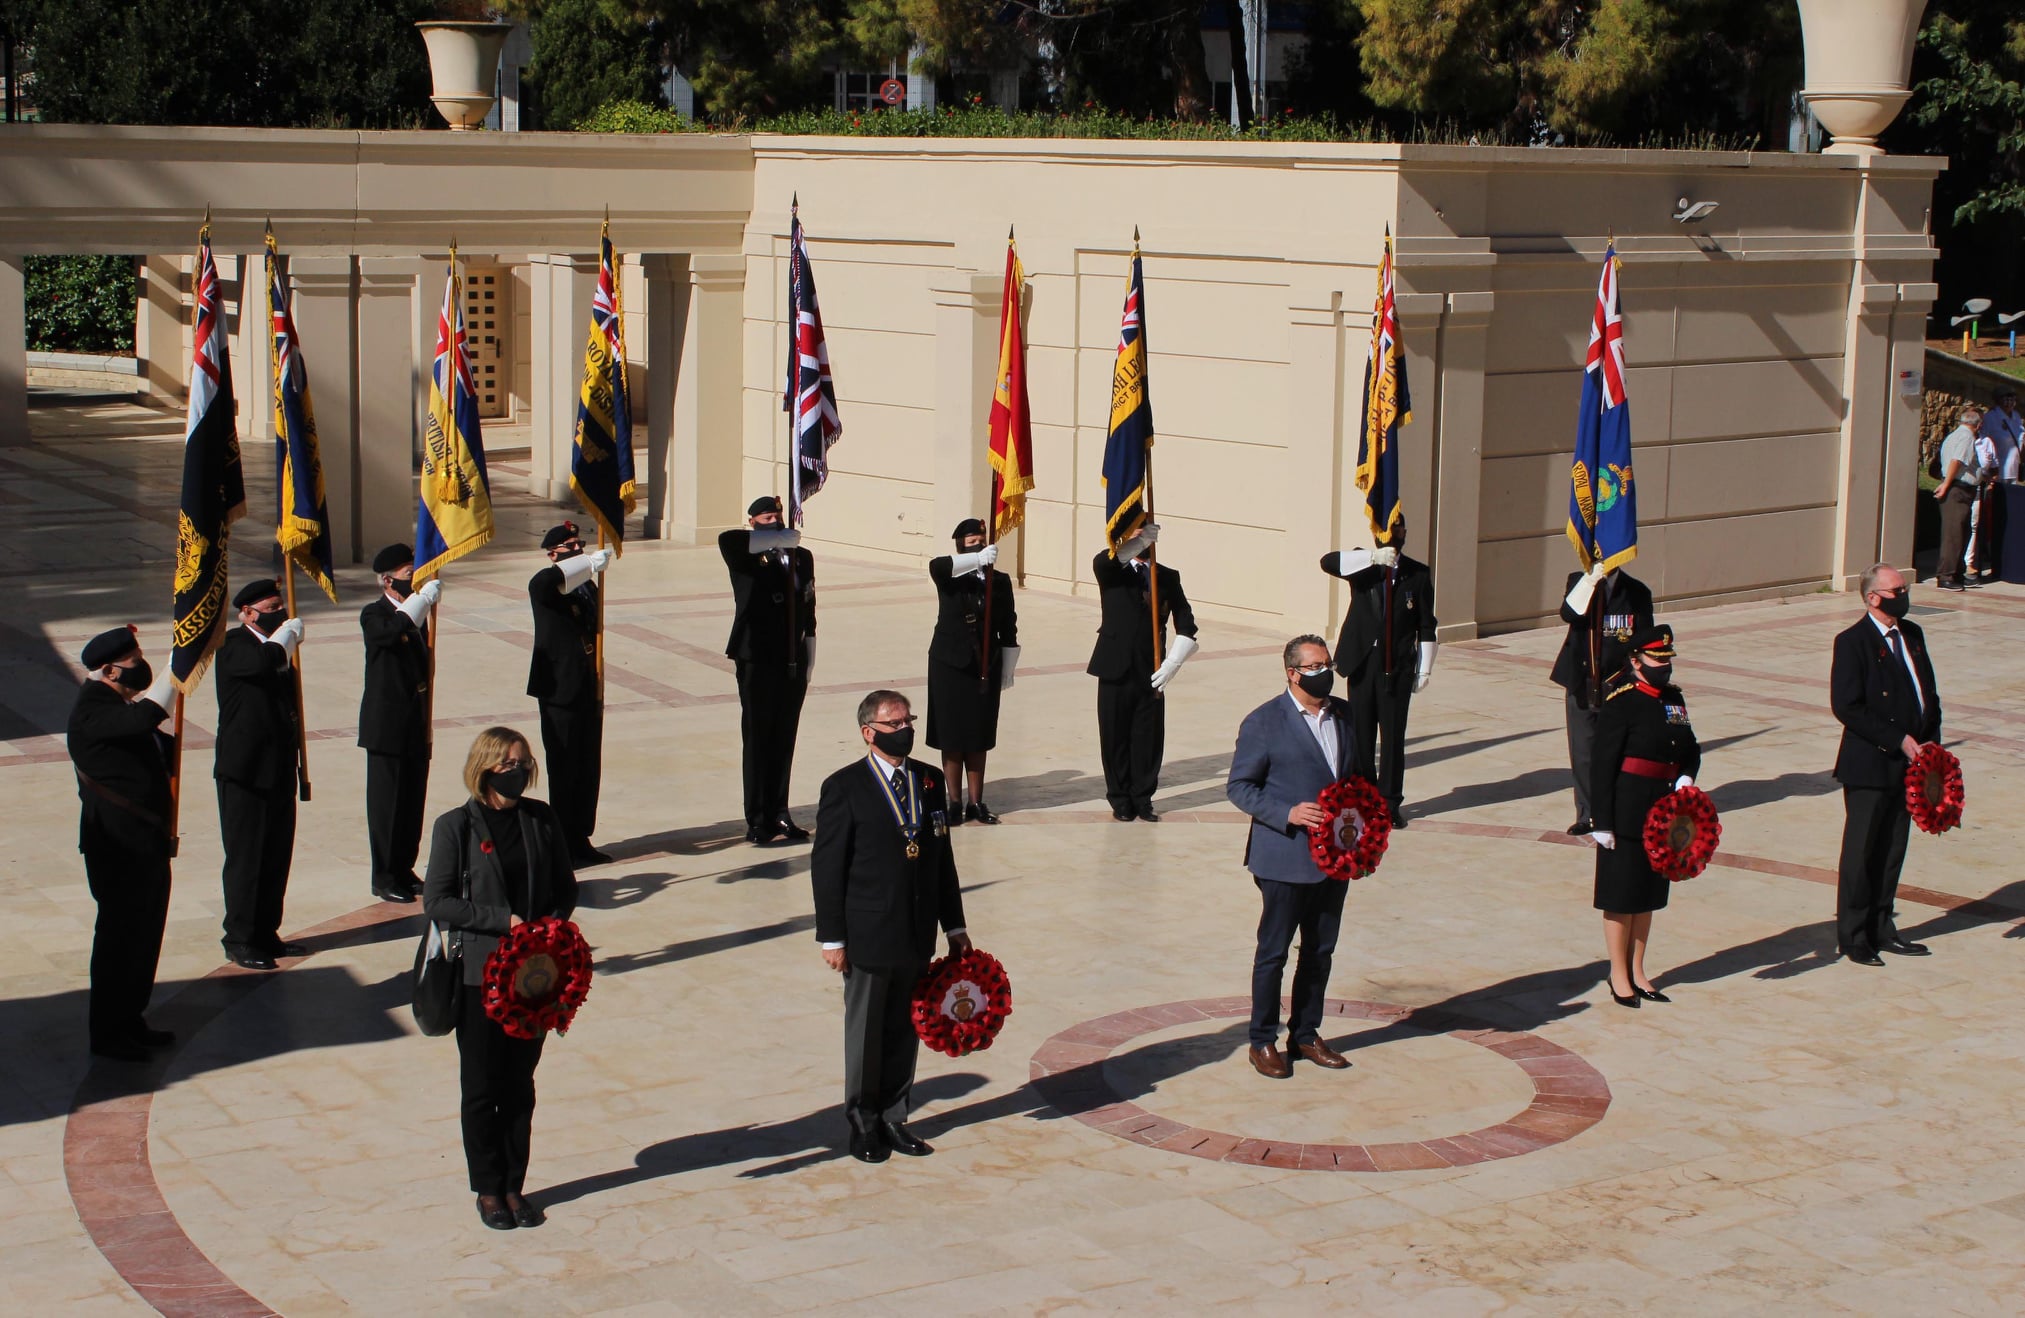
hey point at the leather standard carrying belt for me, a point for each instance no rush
(1651, 768)
(114, 799)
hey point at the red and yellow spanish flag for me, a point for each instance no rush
(1012, 437)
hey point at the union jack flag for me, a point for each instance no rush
(1602, 503)
(214, 484)
(810, 397)
(601, 463)
(1606, 334)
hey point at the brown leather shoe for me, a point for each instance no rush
(1270, 1062)
(1321, 1054)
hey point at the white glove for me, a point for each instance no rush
(288, 635)
(1384, 556)
(808, 659)
(766, 539)
(1008, 660)
(1585, 589)
(417, 605)
(601, 559)
(1426, 670)
(1604, 838)
(163, 692)
(1184, 646)
(1136, 546)
(576, 571)
(962, 563)
(1683, 781)
(1349, 562)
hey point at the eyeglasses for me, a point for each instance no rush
(907, 722)
(513, 763)
(572, 544)
(1315, 671)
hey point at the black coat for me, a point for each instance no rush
(1627, 606)
(1363, 634)
(563, 669)
(394, 711)
(1647, 723)
(460, 845)
(760, 588)
(114, 743)
(883, 907)
(959, 619)
(1124, 647)
(256, 712)
(1872, 696)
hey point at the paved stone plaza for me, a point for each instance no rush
(1792, 1131)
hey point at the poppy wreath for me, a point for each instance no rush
(1355, 829)
(1933, 790)
(960, 1002)
(1682, 833)
(537, 978)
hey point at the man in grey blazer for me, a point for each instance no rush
(1288, 750)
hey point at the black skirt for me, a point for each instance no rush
(961, 718)
(1626, 882)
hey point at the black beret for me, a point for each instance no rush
(392, 559)
(255, 591)
(560, 535)
(1654, 642)
(968, 526)
(110, 647)
(765, 503)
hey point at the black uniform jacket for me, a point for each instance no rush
(393, 713)
(759, 589)
(1125, 631)
(1645, 722)
(1363, 634)
(1872, 696)
(563, 669)
(256, 712)
(959, 622)
(461, 850)
(115, 744)
(883, 907)
(1627, 606)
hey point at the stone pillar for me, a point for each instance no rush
(967, 306)
(1324, 509)
(696, 339)
(1862, 477)
(13, 354)
(159, 332)
(1901, 422)
(559, 320)
(390, 374)
(667, 306)
(325, 306)
(1445, 535)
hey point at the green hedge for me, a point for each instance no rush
(79, 303)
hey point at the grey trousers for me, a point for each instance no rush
(1581, 734)
(880, 1045)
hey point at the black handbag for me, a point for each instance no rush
(439, 970)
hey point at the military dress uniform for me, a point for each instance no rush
(394, 733)
(562, 676)
(1380, 694)
(254, 766)
(1597, 645)
(772, 632)
(1131, 714)
(1644, 744)
(962, 705)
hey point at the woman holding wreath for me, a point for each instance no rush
(971, 659)
(496, 861)
(1645, 748)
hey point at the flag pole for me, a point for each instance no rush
(984, 637)
(301, 710)
(598, 644)
(792, 401)
(176, 774)
(429, 696)
(1152, 559)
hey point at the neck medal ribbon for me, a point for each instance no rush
(909, 819)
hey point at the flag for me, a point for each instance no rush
(1386, 408)
(454, 515)
(1012, 434)
(214, 485)
(302, 521)
(811, 396)
(601, 465)
(1128, 448)
(1602, 506)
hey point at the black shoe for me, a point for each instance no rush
(393, 894)
(154, 1038)
(251, 960)
(981, 812)
(1901, 947)
(492, 1211)
(1649, 994)
(524, 1212)
(866, 1146)
(1398, 817)
(588, 858)
(902, 1140)
(1123, 816)
(1580, 827)
(278, 950)
(121, 1050)
(1146, 815)
(1630, 1001)
(792, 831)
(762, 834)
(1864, 957)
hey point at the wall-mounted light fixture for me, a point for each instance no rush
(1690, 211)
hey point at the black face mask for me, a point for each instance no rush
(1318, 685)
(401, 586)
(1657, 674)
(269, 623)
(138, 678)
(896, 744)
(565, 555)
(509, 783)
(1894, 606)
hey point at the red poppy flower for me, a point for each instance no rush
(485, 846)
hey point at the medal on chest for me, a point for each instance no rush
(907, 817)
(1677, 715)
(1617, 625)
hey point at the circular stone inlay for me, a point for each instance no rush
(1569, 1095)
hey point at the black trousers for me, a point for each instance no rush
(770, 714)
(397, 786)
(257, 826)
(1378, 702)
(132, 892)
(496, 1072)
(1316, 911)
(1874, 829)
(1954, 532)
(1132, 736)
(573, 749)
(880, 1046)
(1581, 736)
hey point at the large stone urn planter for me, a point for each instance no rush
(1859, 66)
(464, 65)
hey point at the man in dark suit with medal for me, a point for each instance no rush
(562, 675)
(773, 643)
(1881, 687)
(122, 762)
(255, 768)
(394, 714)
(885, 880)
(1383, 681)
(1288, 750)
(1602, 609)
(1131, 714)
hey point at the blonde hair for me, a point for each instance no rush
(492, 746)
